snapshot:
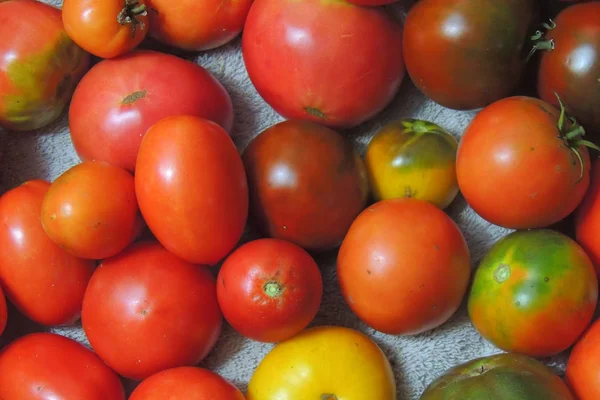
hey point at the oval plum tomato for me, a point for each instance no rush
(307, 184)
(404, 266)
(518, 299)
(186, 383)
(467, 54)
(521, 164)
(413, 158)
(146, 310)
(583, 369)
(3, 312)
(269, 290)
(39, 65)
(91, 210)
(192, 189)
(131, 93)
(42, 366)
(106, 28)
(343, 63)
(43, 281)
(587, 218)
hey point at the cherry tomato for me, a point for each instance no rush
(3, 312)
(587, 218)
(583, 370)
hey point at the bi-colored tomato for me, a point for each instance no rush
(269, 290)
(583, 369)
(3, 312)
(587, 218)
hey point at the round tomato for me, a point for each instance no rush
(307, 184)
(583, 370)
(325, 363)
(467, 54)
(192, 189)
(121, 98)
(43, 366)
(106, 28)
(147, 310)
(521, 165)
(269, 290)
(587, 218)
(186, 383)
(519, 299)
(413, 158)
(3, 312)
(404, 266)
(45, 282)
(40, 65)
(341, 64)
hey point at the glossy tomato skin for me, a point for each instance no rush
(131, 93)
(146, 310)
(42, 366)
(583, 371)
(44, 281)
(191, 187)
(457, 54)
(269, 290)
(3, 312)
(343, 63)
(404, 266)
(587, 218)
(518, 299)
(39, 65)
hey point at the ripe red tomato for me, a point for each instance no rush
(325, 61)
(106, 28)
(45, 282)
(192, 189)
(518, 168)
(91, 210)
(269, 290)
(3, 312)
(120, 99)
(587, 218)
(43, 366)
(583, 369)
(146, 310)
(40, 65)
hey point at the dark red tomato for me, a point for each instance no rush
(147, 310)
(587, 218)
(269, 290)
(45, 282)
(3, 312)
(307, 184)
(44, 366)
(120, 99)
(330, 62)
(466, 54)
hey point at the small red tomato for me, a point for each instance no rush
(587, 218)
(269, 290)
(583, 368)
(3, 311)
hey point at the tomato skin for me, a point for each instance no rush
(42, 366)
(131, 93)
(269, 290)
(587, 218)
(583, 372)
(330, 47)
(3, 312)
(404, 266)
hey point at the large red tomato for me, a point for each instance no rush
(583, 369)
(147, 310)
(118, 100)
(330, 62)
(587, 218)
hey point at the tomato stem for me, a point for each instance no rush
(130, 13)
(539, 43)
(273, 289)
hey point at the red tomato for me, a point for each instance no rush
(3, 312)
(269, 290)
(192, 189)
(583, 369)
(120, 99)
(587, 218)
(45, 282)
(146, 310)
(44, 366)
(325, 61)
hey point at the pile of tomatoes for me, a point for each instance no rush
(141, 242)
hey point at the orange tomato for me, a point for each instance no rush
(587, 218)
(583, 368)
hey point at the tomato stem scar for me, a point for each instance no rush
(273, 289)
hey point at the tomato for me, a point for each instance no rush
(307, 184)
(121, 98)
(519, 299)
(466, 54)
(404, 266)
(413, 158)
(330, 62)
(39, 66)
(106, 28)
(269, 290)
(3, 312)
(192, 189)
(327, 363)
(587, 218)
(45, 282)
(371, 3)
(42, 366)
(146, 310)
(186, 383)
(583, 370)
(519, 167)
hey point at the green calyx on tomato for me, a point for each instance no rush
(273, 289)
(130, 13)
(538, 40)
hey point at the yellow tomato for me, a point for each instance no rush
(324, 363)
